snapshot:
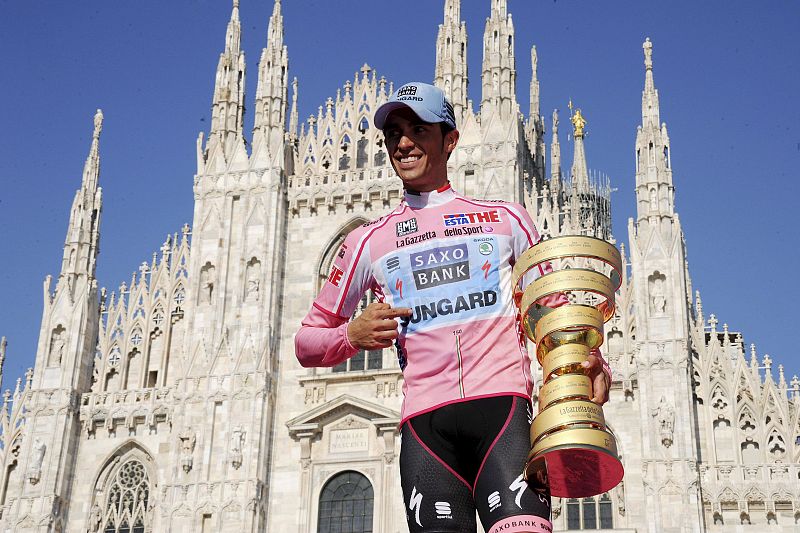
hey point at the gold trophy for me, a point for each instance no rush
(572, 451)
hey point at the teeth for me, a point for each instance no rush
(409, 159)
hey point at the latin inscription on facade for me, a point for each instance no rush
(349, 440)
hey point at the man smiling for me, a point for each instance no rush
(441, 264)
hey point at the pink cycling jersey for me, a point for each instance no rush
(449, 259)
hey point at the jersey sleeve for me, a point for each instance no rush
(322, 339)
(349, 278)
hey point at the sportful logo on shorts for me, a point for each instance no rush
(443, 510)
(494, 501)
(479, 217)
(439, 266)
(407, 227)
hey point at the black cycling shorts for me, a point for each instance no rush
(466, 457)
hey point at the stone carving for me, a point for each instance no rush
(253, 280)
(187, 440)
(57, 344)
(207, 283)
(37, 457)
(556, 508)
(658, 302)
(665, 418)
(95, 518)
(620, 496)
(237, 443)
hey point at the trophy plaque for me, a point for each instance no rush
(572, 451)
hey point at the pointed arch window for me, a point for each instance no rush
(346, 504)
(364, 359)
(126, 505)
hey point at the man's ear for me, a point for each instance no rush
(451, 140)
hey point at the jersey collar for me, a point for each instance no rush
(440, 196)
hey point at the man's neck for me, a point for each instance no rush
(418, 199)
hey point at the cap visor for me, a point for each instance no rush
(422, 112)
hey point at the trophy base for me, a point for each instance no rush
(573, 470)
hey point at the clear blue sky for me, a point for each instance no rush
(727, 73)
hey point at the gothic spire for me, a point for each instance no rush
(83, 233)
(3, 344)
(555, 153)
(273, 75)
(650, 108)
(451, 58)
(534, 129)
(227, 111)
(654, 190)
(534, 94)
(293, 118)
(579, 173)
(499, 70)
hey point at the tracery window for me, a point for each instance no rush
(364, 359)
(126, 506)
(590, 513)
(346, 504)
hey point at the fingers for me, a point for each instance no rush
(600, 388)
(592, 364)
(376, 327)
(593, 367)
(378, 310)
(396, 312)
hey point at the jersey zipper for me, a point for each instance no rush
(460, 365)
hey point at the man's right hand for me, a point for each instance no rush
(376, 326)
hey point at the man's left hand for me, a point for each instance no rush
(598, 371)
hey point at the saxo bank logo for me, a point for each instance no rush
(441, 265)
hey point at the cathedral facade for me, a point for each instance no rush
(175, 403)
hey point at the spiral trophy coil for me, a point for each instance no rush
(572, 451)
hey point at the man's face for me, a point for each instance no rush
(417, 150)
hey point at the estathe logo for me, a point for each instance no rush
(494, 501)
(407, 227)
(335, 277)
(443, 510)
(480, 217)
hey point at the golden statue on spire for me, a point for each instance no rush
(578, 122)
